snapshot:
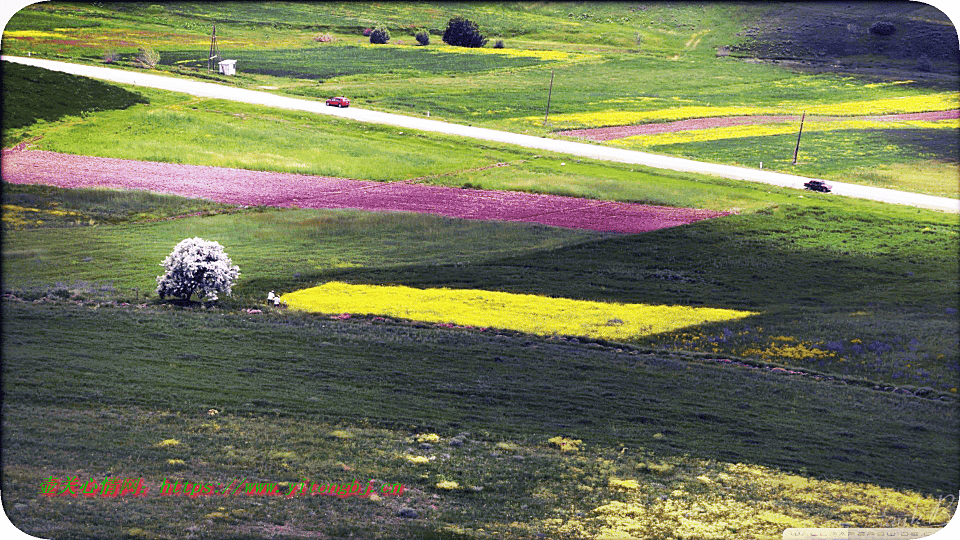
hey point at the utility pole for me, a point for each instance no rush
(797, 150)
(214, 56)
(549, 95)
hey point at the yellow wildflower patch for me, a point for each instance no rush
(908, 104)
(625, 118)
(800, 351)
(565, 444)
(529, 313)
(448, 484)
(21, 217)
(933, 102)
(168, 442)
(32, 34)
(626, 485)
(428, 438)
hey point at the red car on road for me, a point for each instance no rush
(338, 102)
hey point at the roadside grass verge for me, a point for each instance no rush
(226, 134)
(403, 377)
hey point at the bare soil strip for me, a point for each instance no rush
(692, 124)
(255, 188)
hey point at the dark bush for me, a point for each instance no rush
(882, 28)
(380, 35)
(461, 32)
(498, 44)
(423, 37)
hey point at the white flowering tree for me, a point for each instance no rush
(197, 266)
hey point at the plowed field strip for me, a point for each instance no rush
(619, 132)
(254, 188)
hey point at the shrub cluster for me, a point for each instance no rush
(462, 32)
(883, 28)
(423, 37)
(380, 35)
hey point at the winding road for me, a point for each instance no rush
(213, 90)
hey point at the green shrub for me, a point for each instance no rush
(380, 35)
(423, 37)
(462, 32)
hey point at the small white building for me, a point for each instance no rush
(228, 67)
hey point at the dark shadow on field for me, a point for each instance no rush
(791, 256)
(31, 94)
(939, 144)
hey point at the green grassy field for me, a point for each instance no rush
(835, 405)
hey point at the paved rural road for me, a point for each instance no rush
(213, 90)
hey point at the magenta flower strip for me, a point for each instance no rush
(254, 188)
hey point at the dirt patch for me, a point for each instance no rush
(619, 132)
(254, 188)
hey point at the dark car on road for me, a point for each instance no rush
(818, 185)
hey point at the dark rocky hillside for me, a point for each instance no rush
(895, 36)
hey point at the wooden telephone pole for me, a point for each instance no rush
(214, 59)
(797, 150)
(549, 95)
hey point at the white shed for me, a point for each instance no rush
(228, 67)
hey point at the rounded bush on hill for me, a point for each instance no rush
(883, 28)
(380, 35)
(423, 37)
(197, 266)
(462, 32)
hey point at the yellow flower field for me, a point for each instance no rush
(529, 313)
(912, 104)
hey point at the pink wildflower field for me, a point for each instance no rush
(255, 188)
